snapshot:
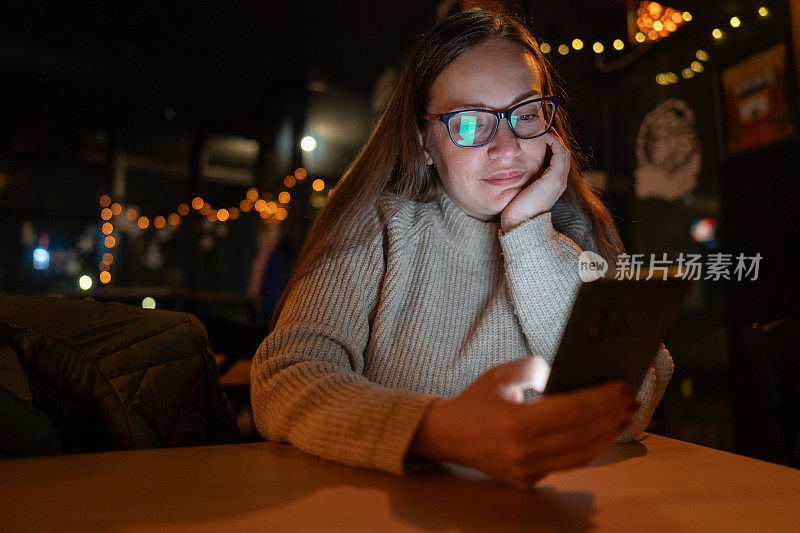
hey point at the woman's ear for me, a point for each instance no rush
(422, 139)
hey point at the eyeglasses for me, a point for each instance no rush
(473, 128)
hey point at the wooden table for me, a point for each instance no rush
(659, 484)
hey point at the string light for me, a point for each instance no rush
(318, 184)
(598, 47)
(289, 181)
(577, 44)
(105, 200)
(223, 215)
(545, 48)
(110, 242)
(763, 11)
(106, 214)
(108, 228)
(284, 197)
(563, 49)
(735, 22)
(702, 55)
(105, 276)
(618, 44)
(197, 203)
(159, 222)
(716, 33)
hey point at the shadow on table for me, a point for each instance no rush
(268, 484)
(621, 452)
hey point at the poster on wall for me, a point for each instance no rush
(755, 100)
(668, 156)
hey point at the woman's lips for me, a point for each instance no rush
(505, 178)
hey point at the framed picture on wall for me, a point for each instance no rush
(756, 108)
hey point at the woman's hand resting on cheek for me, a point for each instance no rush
(520, 443)
(540, 195)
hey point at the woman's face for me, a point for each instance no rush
(494, 75)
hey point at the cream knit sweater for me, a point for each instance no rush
(367, 341)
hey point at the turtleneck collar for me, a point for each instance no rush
(468, 235)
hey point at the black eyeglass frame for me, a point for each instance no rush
(499, 115)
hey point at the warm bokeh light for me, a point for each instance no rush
(577, 44)
(289, 181)
(234, 212)
(212, 215)
(85, 282)
(206, 209)
(260, 205)
(148, 302)
(252, 194)
(696, 66)
(545, 48)
(735, 22)
(280, 214)
(116, 209)
(563, 49)
(702, 55)
(687, 73)
(105, 200)
(300, 173)
(716, 33)
(618, 44)
(658, 26)
(223, 215)
(271, 208)
(110, 242)
(131, 214)
(159, 222)
(686, 16)
(197, 202)
(763, 11)
(318, 185)
(245, 205)
(108, 228)
(284, 197)
(108, 258)
(183, 210)
(106, 214)
(105, 276)
(143, 222)
(264, 214)
(174, 219)
(640, 38)
(598, 48)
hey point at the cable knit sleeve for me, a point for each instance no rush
(307, 385)
(541, 266)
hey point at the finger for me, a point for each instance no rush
(561, 411)
(531, 372)
(572, 448)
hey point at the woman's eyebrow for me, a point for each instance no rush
(482, 105)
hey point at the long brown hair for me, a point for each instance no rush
(393, 160)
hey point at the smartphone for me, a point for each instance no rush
(614, 331)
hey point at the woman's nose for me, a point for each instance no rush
(505, 144)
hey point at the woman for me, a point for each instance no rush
(445, 259)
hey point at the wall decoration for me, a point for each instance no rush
(755, 100)
(667, 152)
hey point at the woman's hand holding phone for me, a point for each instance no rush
(520, 443)
(542, 193)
